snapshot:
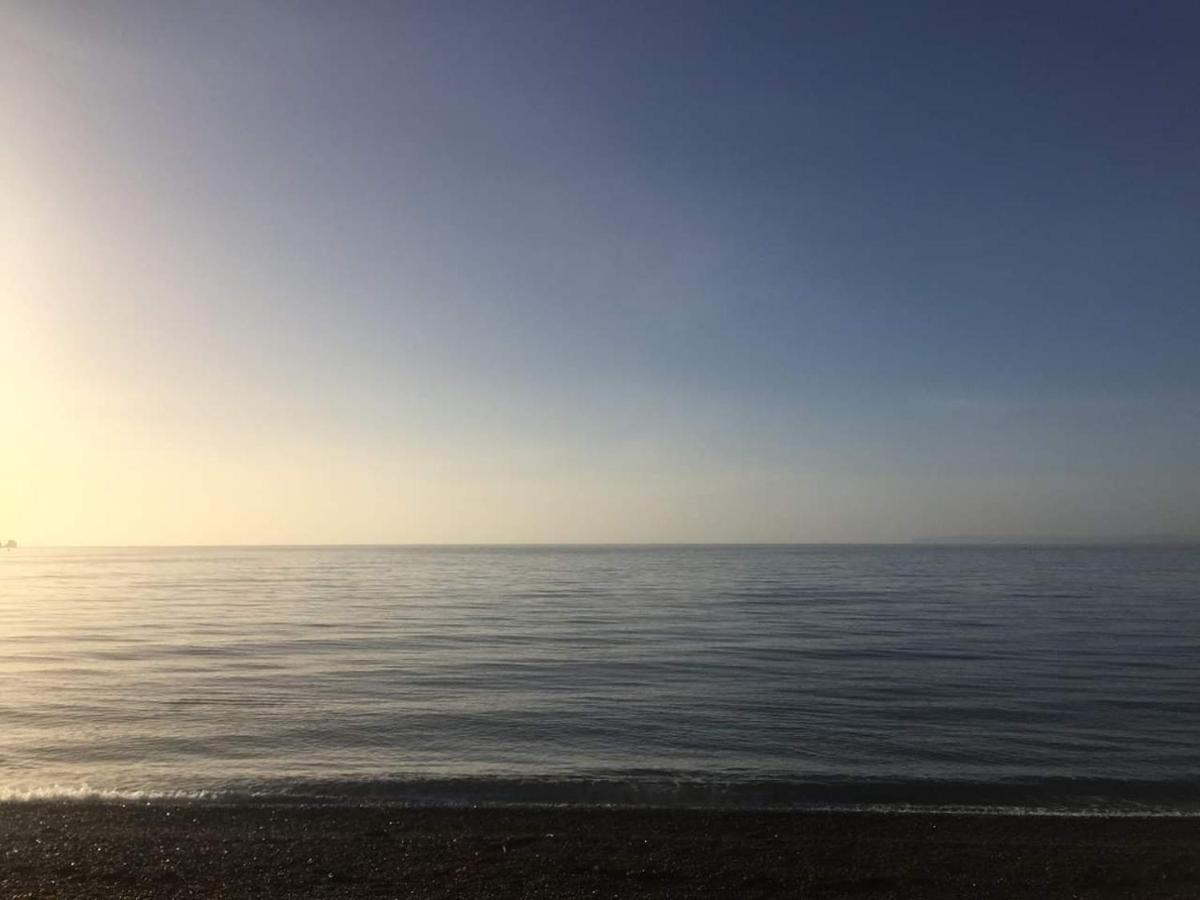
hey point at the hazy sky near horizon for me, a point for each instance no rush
(446, 271)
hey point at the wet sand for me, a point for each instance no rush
(124, 851)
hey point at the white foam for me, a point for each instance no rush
(83, 792)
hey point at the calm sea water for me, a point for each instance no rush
(1051, 678)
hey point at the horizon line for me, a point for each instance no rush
(1149, 540)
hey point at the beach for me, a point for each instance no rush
(113, 850)
(551, 721)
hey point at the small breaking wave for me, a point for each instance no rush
(87, 793)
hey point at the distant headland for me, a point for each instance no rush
(1059, 539)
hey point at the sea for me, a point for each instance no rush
(1032, 679)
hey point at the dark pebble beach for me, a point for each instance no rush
(124, 851)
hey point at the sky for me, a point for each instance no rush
(301, 272)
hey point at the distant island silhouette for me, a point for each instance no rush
(10, 545)
(1058, 539)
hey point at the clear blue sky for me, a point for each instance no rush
(600, 271)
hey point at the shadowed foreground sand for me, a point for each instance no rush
(114, 851)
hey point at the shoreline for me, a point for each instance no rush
(169, 849)
(217, 800)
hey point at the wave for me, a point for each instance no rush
(1046, 796)
(86, 793)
